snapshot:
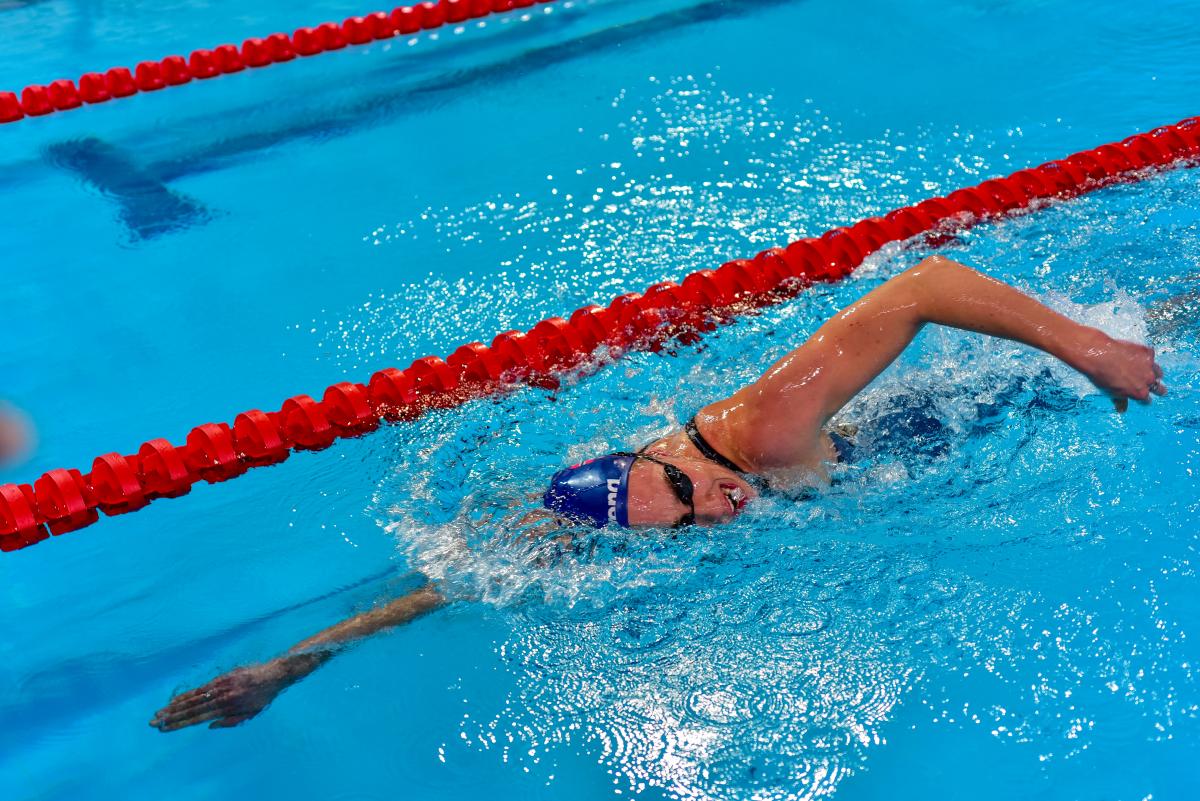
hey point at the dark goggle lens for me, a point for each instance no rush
(682, 486)
(680, 483)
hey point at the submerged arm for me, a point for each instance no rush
(243, 693)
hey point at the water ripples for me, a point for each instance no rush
(697, 176)
(996, 576)
(797, 620)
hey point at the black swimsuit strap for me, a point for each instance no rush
(707, 450)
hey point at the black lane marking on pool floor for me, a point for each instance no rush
(397, 98)
(146, 206)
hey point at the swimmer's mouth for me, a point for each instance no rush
(735, 497)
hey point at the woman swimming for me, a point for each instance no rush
(771, 433)
(775, 429)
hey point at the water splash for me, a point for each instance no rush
(977, 577)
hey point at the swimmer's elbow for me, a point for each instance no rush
(931, 267)
(931, 280)
(913, 291)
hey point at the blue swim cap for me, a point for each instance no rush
(594, 492)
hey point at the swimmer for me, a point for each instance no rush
(772, 433)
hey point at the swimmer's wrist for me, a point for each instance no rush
(1083, 347)
(299, 664)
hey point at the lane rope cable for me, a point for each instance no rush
(150, 76)
(65, 500)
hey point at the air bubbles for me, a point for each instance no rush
(768, 658)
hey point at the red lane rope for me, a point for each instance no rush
(65, 500)
(150, 76)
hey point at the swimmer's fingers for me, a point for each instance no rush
(228, 708)
(1156, 388)
(1121, 404)
(189, 696)
(181, 719)
(180, 704)
(242, 693)
(213, 691)
(185, 706)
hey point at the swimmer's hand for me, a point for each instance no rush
(235, 697)
(1121, 369)
(241, 694)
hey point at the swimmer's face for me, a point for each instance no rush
(654, 500)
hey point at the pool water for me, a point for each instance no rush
(1007, 617)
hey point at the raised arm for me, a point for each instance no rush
(241, 694)
(809, 385)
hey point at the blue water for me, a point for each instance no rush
(1008, 619)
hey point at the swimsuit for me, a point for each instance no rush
(708, 451)
(844, 447)
(913, 429)
(841, 443)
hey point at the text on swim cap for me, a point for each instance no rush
(614, 484)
